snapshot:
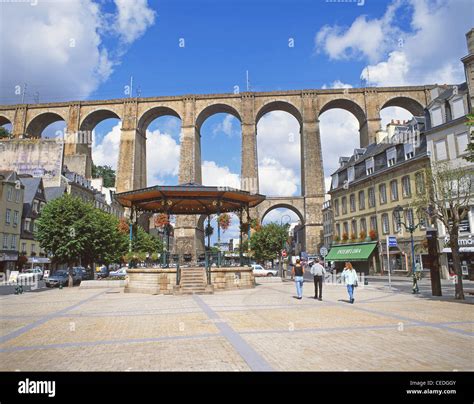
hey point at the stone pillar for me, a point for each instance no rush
(77, 144)
(188, 238)
(249, 171)
(131, 167)
(312, 186)
(19, 121)
(368, 131)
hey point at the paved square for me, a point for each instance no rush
(264, 328)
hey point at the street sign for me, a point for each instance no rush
(392, 241)
(323, 251)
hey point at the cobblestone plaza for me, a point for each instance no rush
(264, 328)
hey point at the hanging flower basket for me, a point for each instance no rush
(244, 227)
(209, 230)
(373, 235)
(224, 221)
(123, 226)
(161, 220)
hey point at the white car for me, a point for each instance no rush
(258, 270)
(31, 273)
(120, 272)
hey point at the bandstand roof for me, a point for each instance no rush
(188, 199)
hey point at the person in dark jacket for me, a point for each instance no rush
(298, 272)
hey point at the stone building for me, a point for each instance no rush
(328, 224)
(11, 207)
(369, 185)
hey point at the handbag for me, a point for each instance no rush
(356, 284)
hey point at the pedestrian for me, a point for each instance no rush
(318, 272)
(298, 272)
(416, 276)
(349, 275)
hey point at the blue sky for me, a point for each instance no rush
(71, 50)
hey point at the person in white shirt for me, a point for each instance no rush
(318, 272)
(349, 275)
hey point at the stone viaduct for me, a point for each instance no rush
(137, 113)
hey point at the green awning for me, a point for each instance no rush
(351, 252)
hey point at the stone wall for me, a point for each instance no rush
(232, 278)
(152, 281)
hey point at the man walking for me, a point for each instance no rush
(416, 276)
(318, 272)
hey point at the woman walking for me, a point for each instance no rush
(298, 272)
(349, 275)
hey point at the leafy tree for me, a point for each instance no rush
(267, 242)
(4, 133)
(106, 172)
(448, 196)
(146, 243)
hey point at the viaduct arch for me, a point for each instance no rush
(137, 113)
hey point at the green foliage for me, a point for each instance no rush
(268, 241)
(145, 243)
(4, 133)
(106, 172)
(470, 147)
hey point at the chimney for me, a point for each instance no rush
(470, 41)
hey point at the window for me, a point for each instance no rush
(350, 174)
(420, 183)
(394, 190)
(462, 141)
(441, 152)
(33, 248)
(369, 166)
(363, 225)
(16, 216)
(408, 150)
(35, 227)
(361, 200)
(458, 108)
(345, 227)
(35, 206)
(338, 230)
(335, 181)
(385, 224)
(8, 216)
(5, 241)
(344, 205)
(13, 243)
(23, 248)
(383, 193)
(436, 116)
(9, 193)
(336, 207)
(17, 195)
(373, 223)
(371, 197)
(354, 229)
(352, 200)
(406, 187)
(391, 156)
(409, 217)
(26, 226)
(396, 227)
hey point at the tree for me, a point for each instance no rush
(106, 172)
(146, 243)
(448, 198)
(267, 242)
(4, 133)
(470, 146)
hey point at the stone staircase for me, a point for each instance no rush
(193, 281)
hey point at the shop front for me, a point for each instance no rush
(466, 255)
(8, 261)
(362, 256)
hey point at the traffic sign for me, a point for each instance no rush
(392, 241)
(323, 251)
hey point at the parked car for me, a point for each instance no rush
(31, 273)
(120, 272)
(103, 272)
(258, 270)
(61, 278)
(86, 274)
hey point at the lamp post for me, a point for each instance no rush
(411, 227)
(283, 245)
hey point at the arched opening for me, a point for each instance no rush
(46, 125)
(279, 149)
(339, 130)
(220, 135)
(103, 128)
(162, 126)
(408, 104)
(7, 126)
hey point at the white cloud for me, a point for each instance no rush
(275, 179)
(57, 47)
(337, 84)
(162, 154)
(133, 19)
(394, 71)
(226, 126)
(213, 174)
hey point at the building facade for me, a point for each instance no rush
(328, 224)
(370, 184)
(11, 207)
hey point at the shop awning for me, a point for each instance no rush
(351, 252)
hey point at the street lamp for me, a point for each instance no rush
(283, 244)
(411, 227)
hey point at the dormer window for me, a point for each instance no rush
(457, 108)
(391, 156)
(408, 150)
(436, 116)
(350, 174)
(335, 181)
(369, 166)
